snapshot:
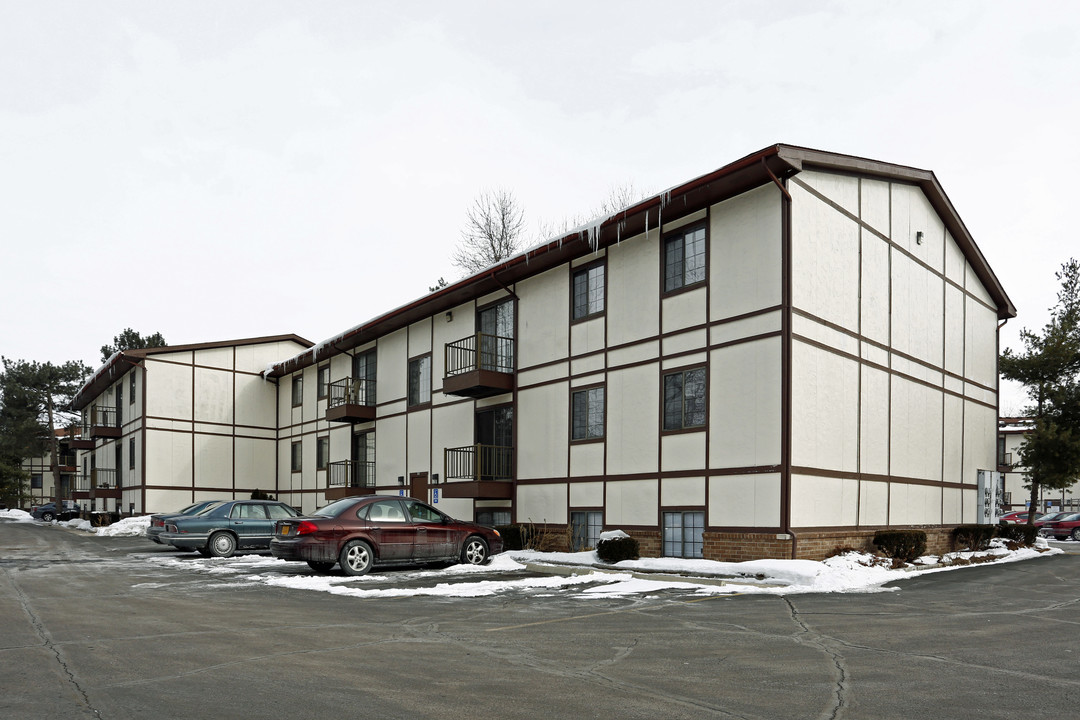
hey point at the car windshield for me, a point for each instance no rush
(1068, 518)
(335, 508)
(219, 510)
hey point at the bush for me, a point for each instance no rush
(613, 550)
(903, 545)
(1023, 534)
(974, 537)
(512, 537)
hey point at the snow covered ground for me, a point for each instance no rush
(581, 574)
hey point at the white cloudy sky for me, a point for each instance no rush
(211, 170)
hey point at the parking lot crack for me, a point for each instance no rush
(815, 639)
(47, 642)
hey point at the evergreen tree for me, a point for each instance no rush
(1049, 368)
(131, 340)
(35, 399)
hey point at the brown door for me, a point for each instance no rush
(418, 487)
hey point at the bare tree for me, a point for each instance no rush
(492, 231)
(619, 197)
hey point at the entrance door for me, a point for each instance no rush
(418, 486)
(495, 440)
(496, 325)
(363, 460)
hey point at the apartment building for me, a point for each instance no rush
(771, 360)
(1012, 431)
(164, 427)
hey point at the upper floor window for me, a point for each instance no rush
(131, 453)
(684, 399)
(684, 258)
(297, 390)
(588, 291)
(363, 373)
(587, 415)
(420, 380)
(322, 452)
(131, 394)
(323, 381)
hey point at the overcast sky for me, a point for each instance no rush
(220, 170)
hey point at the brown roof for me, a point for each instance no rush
(754, 170)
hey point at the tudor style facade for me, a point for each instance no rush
(164, 427)
(770, 360)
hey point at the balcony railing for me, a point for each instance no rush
(346, 478)
(479, 366)
(82, 483)
(1005, 460)
(103, 422)
(66, 460)
(104, 478)
(488, 470)
(351, 400)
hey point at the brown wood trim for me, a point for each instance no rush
(871, 477)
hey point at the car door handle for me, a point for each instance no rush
(421, 529)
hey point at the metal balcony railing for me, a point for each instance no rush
(66, 460)
(105, 478)
(1005, 459)
(480, 352)
(351, 391)
(82, 483)
(103, 417)
(479, 462)
(350, 473)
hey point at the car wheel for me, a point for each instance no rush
(1076, 534)
(475, 551)
(221, 544)
(320, 567)
(47, 516)
(356, 557)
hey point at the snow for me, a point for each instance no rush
(581, 574)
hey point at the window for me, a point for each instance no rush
(492, 518)
(131, 395)
(297, 457)
(589, 291)
(323, 381)
(386, 511)
(683, 533)
(422, 513)
(35, 482)
(131, 453)
(363, 373)
(587, 414)
(684, 258)
(420, 380)
(248, 511)
(586, 527)
(322, 452)
(297, 390)
(684, 399)
(279, 512)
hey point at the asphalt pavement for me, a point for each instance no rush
(94, 628)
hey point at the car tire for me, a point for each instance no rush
(221, 544)
(356, 557)
(1076, 534)
(319, 567)
(475, 551)
(48, 516)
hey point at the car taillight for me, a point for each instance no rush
(158, 523)
(306, 528)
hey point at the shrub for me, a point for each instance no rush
(613, 550)
(1023, 534)
(511, 536)
(903, 545)
(974, 537)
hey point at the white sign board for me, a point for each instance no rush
(991, 495)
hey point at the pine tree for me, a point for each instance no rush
(131, 340)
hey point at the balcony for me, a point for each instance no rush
(347, 478)
(80, 438)
(104, 483)
(81, 488)
(103, 423)
(1005, 462)
(351, 400)
(484, 472)
(479, 366)
(66, 462)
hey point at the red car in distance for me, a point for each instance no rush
(1063, 529)
(1013, 518)
(360, 532)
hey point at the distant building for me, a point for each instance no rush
(772, 360)
(1012, 431)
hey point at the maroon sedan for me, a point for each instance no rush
(1063, 529)
(360, 532)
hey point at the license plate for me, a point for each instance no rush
(285, 530)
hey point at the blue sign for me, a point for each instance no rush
(401, 493)
(435, 495)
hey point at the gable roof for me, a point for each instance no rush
(122, 360)
(768, 165)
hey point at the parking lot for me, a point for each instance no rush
(121, 628)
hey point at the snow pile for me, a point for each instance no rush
(16, 515)
(127, 527)
(76, 524)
